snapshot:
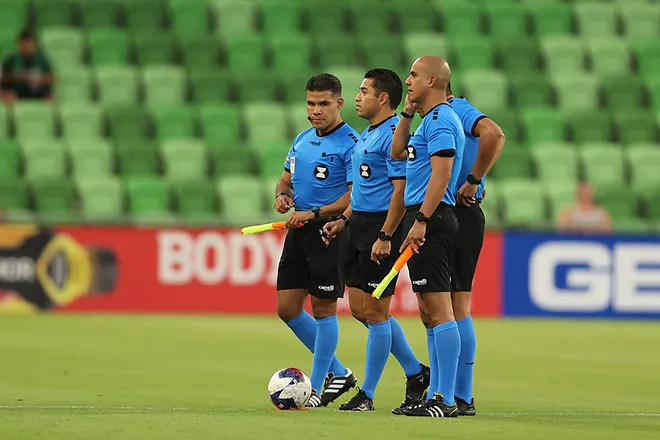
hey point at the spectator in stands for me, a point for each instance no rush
(585, 216)
(26, 74)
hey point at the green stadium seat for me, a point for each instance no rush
(652, 202)
(513, 164)
(298, 117)
(369, 16)
(472, 53)
(7, 41)
(137, 158)
(383, 51)
(459, 18)
(238, 210)
(258, 86)
(9, 159)
(189, 18)
(644, 163)
(144, 14)
(127, 122)
(590, 127)
(507, 119)
(531, 90)
(14, 14)
(560, 195)
(542, 125)
(630, 96)
(337, 50)
(331, 17)
(91, 157)
(108, 47)
(73, 85)
(184, 159)
(280, 17)
(174, 122)
(101, 197)
(232, 165)
(244, 52)
(164, 85)
(636, 127)
(603, 166)
(63, 45)
(414, 15)
(647, 54)
(550, 18)
(153, 48)
(619, 200)
(486, 89)
(576, 91)
(117, 85)
(4, 123)
(563, 54)
(653, 86)
(506, 19)
(290, 52)
(609, 56)
(268, 185)
(417, 44)
(97, 14)
(53, 196)
(294, 86)
(266, 122)
(234, 16)
(148, 196)
(195, 199)
(33, 120)
(555, 163)
(200, 52)
(595, 19)
(44, 159)
(640, 19)
(519, 55)
(81, 121)
(351, 80)
(271, 158)
(226, 133)
(210, 86)
(52, 12)
(13, 194)
(523, 203)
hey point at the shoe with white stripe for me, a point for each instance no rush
(335, 386)
(433, 408)
(314, 400)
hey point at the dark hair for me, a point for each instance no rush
(323, 82)
(26, 34)
(388, 82)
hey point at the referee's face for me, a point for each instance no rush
(416, 82)
(367, 100)
(323, 108)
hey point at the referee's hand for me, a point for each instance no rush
(283, 204)
(331, 229)
(415, 237)
(298, 218)
(380, 250)
(466, 194)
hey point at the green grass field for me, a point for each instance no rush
(165, 377)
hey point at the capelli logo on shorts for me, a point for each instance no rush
(421, 282)
(327, 288)
(374, 285)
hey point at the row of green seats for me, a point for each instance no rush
(457, 17)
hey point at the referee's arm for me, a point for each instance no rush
(338, 206)
(491, 143)
(441, 164)
(284, 193)
(397, 208)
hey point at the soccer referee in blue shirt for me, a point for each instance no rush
(374, 236)
(431, 179)
(316, 184)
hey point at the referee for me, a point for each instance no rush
(374, 238)
(316, 184)
(430, 221)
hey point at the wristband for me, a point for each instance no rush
(346, 219)
(284, 194)
(407, 115)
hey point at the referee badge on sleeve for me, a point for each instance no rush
(292, 164)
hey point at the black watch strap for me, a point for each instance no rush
(316, 212)
(472, 180)
(420, 217)
(284, 194)
(384, 236)
(346, 219)
(407, 115)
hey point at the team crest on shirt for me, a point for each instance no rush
(365, 171)
(412, 153)
(321, 172)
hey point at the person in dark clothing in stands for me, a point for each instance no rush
(26, 74)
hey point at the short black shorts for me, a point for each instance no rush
(430, 268)
(358, 269)
(467, 247)
(307, 263)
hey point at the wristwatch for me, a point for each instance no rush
(346, 220)
(420, 217)
(384, 236)
(473, 180)
(407, 115)
(316, 212)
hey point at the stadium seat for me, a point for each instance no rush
(563, 54)
(644, 163)
(294, 86)
(199, 52)
(518, 56)
(195, 199)
(351, 80)
(331, 17)
(52, 12)
(4, 123)
(266, 122)
(153, 48)
(14, 14)
(560, 195)
(603, 166)
(211, 86)
(184, 159)
(506, 20)
(630, 96)
(472, 53)
(268, 185)
(647, 54)
(234, 17)
(108, 47)
(640, 19)
(542, 125)
(63, 45)
(13, 194)
(531, 90)
(117, 85)
(33, 120)
(636, 127)
(590, 127)
(148, 196)
(383, 51)
(74, 85)
(127, 122)
(54, 196)
(555, 163)
(550, 18)
(619, 200)
(459, 18)
(244, 52)
(95, 14)
(43, 159)
(486, 89)
(653, 87)
(81, 121)
(576, 91)
(226, 133)
(609, 56)
(189, 18)
(163, 85)
(101, 197)
(652, 202)
(256, 86)
(298, 117)
(370, 16)
(336, 50)
(417, 43)
(595, 19)
(523, 203)
(271, 158)
(174, 122)
(91, 157)
(9, 159)
(290, 52)
(240, 210)
(414, 15)
(508, 122)
(233, 164)
(144, 14)
(280, 17)
(137, 158)
(513, 164)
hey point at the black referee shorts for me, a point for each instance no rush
(307, 263)
(467, 247)
(430, 269)
(356, 265)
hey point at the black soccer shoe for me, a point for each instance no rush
(416, 386)
(400, 411)
(314, 400)
(433, 408)
(335, 386)
(464, 408)
(359, 402)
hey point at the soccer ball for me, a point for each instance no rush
(289, 388)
